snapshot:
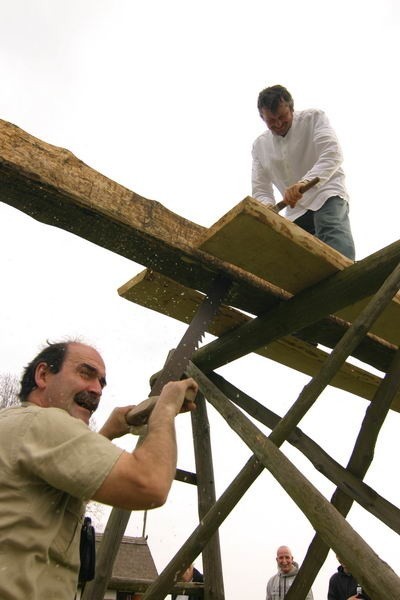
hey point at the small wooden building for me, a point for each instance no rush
(133, 568)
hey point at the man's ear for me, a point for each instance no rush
(41, 375)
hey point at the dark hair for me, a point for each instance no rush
(271, 97)
(53, 355)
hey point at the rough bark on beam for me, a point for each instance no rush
(351, 485)
(51, 185)
(347, 287)
(54, 187)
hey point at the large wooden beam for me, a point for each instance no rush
(54, 187)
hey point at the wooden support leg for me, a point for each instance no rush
(358, 465)
(107, 553)
(375, 575)
(344, 348)
(348, 483)
(206, 529)
(212, 564)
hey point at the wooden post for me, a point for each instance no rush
(375, 575)
(106, 554)
(348, 483)
(351, 338)
(358, 465)
(212, 564)
(206, 528)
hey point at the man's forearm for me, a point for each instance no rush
(159, 447)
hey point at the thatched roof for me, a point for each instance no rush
(133, 562)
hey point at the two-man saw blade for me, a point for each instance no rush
(176, 364)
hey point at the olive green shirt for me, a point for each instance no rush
(50, 464)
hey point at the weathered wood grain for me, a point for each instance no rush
(54, 187)
(262, 242)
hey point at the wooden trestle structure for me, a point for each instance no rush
(290, 282)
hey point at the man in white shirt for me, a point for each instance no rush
(297, 147)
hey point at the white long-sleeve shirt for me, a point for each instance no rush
(309, 149)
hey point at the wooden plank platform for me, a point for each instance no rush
(166, 296)
(262, 242)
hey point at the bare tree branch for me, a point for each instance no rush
(9, 387)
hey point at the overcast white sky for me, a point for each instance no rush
(161, 97)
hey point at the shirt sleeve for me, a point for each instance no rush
(261, 183)
(329, 155)
(64, 452)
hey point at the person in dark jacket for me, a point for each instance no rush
(343, 586)
(191, 574)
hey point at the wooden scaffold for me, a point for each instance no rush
(352, 309)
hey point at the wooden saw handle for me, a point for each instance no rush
(139, 414)
(304, 188)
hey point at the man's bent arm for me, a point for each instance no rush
(142, 480)
(330, 156)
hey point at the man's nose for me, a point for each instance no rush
(96, 387)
